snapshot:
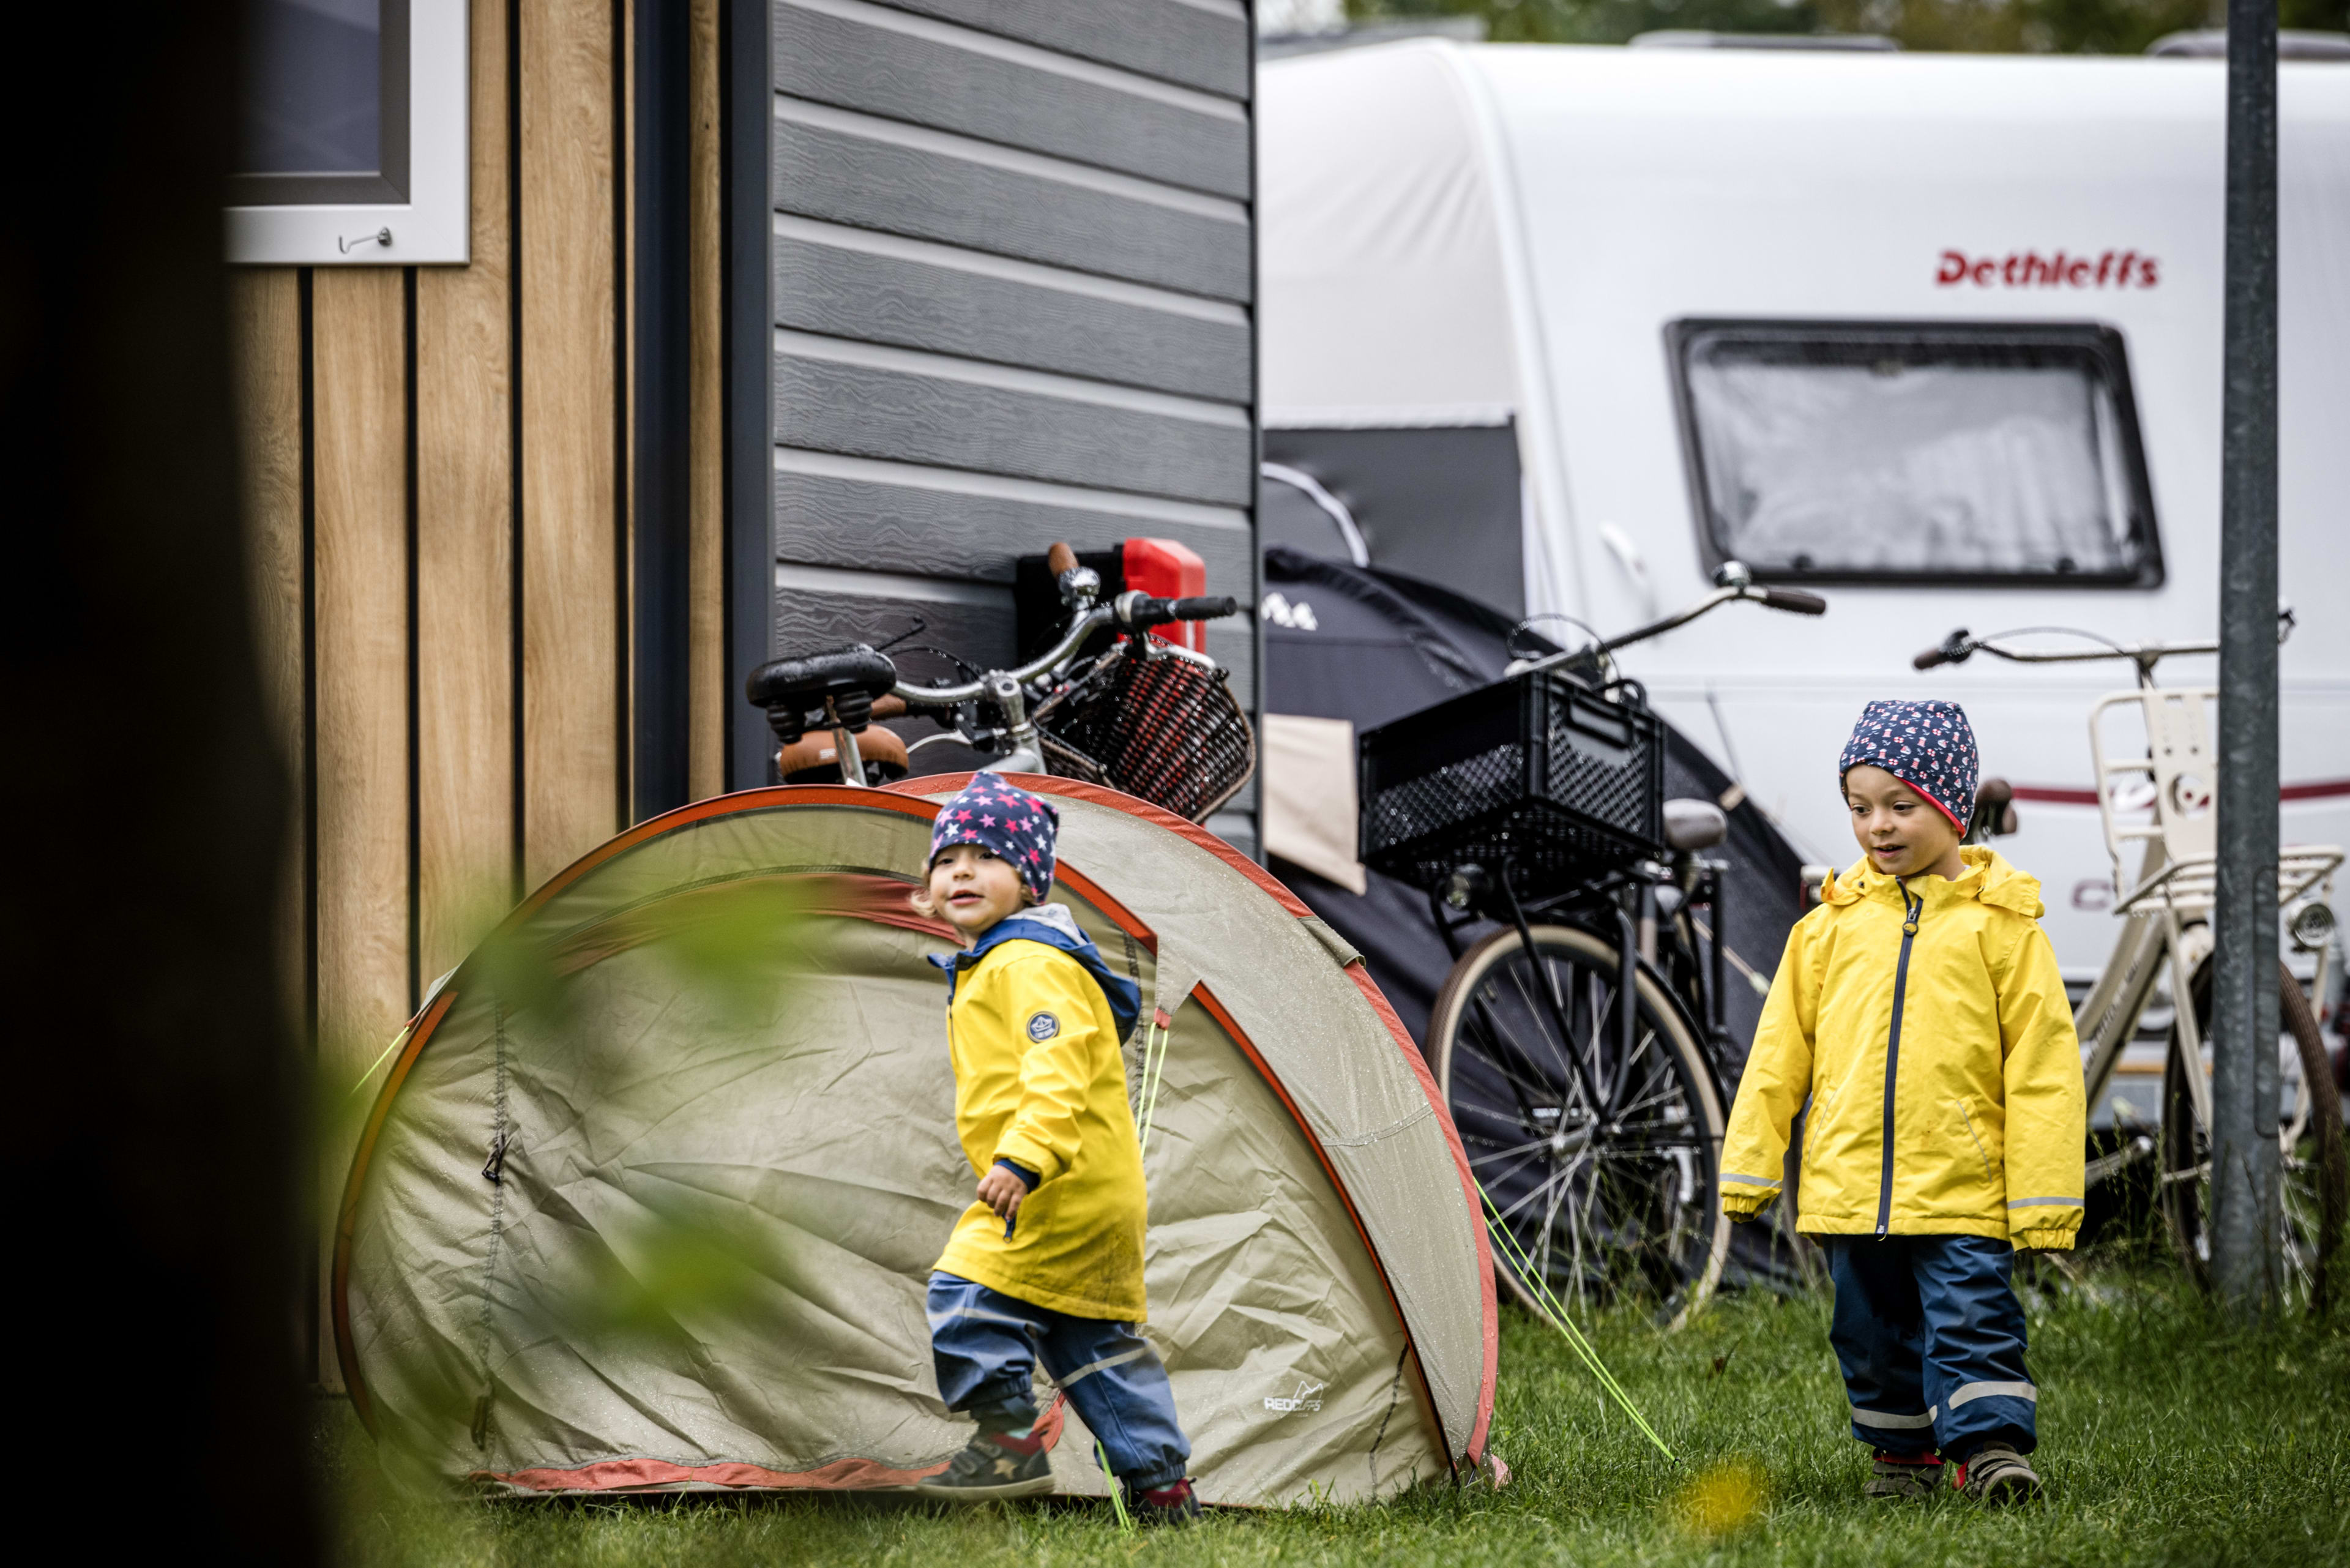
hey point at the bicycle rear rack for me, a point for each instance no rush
(2168, 811)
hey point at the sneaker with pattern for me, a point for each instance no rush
(1902, 1475)
(1995, 1474)
(1174, 1503)
(993, 1465)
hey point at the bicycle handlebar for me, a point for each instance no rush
(853, 679)
(1159, 612)
(1795, 600)
(1735, 584)
(1961, 646)
(1132, 610)
(1952, 649)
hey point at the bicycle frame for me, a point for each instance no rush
(2175, 881)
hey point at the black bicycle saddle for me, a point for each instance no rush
(794, 690)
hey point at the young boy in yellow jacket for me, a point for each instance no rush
(1920, 1012)
(1048, 1262)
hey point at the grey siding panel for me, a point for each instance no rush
(849, 179)
(833, 59)
(888, 413)
(961, 372)
(1164, 39)
(824, 521)
(806, 619)
(889, 299)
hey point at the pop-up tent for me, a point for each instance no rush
(593, 1103)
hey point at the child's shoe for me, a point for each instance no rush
(1902, 1475)
(1995, 1474)
(994, 1466)
(1170, 1504)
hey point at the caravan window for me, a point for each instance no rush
(1929, 452)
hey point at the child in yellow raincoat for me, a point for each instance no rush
(1047, 1263)
(1920, 1012)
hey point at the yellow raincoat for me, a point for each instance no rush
(1927, 1026)
(1040, 1081)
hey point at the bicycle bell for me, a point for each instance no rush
(2311, 926)
(1465, 886)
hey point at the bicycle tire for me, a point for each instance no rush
(1653, 1229)
(2313, 1178)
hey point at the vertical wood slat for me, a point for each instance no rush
(565, 271)
(705, 576)
(265, 314)
(464, 565)
(360, 552)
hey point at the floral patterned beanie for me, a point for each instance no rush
(1929, 746)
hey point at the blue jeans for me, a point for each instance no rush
(1931, 1338)
(985, 1345)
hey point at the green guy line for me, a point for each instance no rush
(1522, 1266)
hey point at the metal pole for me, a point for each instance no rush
(2244, 1099)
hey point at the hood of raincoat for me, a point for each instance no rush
(1925, 1020)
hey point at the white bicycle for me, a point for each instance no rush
(2157, 775)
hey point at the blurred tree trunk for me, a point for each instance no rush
(154, 1126)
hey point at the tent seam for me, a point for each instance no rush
(1363, 1140)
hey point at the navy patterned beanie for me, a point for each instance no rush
(1929, 746)
(1008, 822)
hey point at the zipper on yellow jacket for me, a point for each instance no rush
(1913, 906)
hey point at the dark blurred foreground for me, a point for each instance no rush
(152, 1151)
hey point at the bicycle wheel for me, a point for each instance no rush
(1605, 1202)
(2311, 1194)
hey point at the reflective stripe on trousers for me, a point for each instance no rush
(1930, 1339)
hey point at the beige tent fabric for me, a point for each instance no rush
(703, 1261)
(1311, 813)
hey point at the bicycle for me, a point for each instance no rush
(1107, 702)
(2160, 799)
(1589, 1108)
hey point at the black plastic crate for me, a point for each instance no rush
(1537, 770)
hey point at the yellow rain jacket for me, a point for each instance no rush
(1928, 1025)
(1040, 1081)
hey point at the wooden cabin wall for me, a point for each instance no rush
(438, 463)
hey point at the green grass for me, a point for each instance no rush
(2166, 1436)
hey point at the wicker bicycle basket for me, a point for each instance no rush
(1538, 772)
(1155, 723)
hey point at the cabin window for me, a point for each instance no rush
(351, 133)
(1924, 452)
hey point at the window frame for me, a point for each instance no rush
(2101, 344)
(421, 196)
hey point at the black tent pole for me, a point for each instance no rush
(2244, 994)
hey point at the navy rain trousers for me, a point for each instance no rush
(986, 1344)
(1931, 1338)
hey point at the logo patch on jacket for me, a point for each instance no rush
(1042, 1026)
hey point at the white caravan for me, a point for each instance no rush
(1937, 336)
